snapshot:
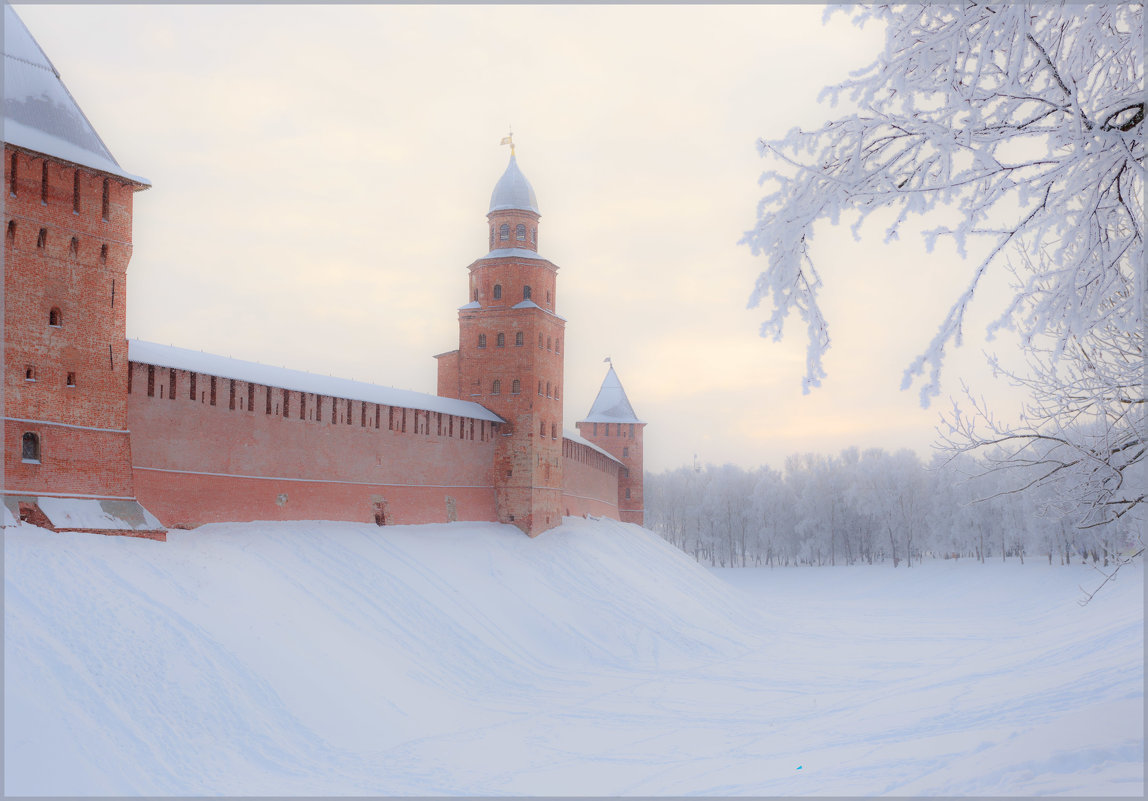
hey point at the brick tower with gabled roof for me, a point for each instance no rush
(68, 239)
(509, 356)
(613, 426)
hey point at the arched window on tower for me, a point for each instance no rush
(482, 340)
(103, 254)
(55, 318)
(501, 340)
(553, 431)
(496, 387)
(518, 339)
(11, 235)
(526, 293)
(42, 238)
(541, 430)
(475, 296)
(557, 345)
(504, 232)
(74, 248)
(30, 447)
(498, 291)
(520, 232)
(534, 236)
(540, 340)
(548, 343)
(540, 389)
(548, 389)
(106, 202)
(515, 387)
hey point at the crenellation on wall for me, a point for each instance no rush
(192, 444)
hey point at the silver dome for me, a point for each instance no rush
(513, 191)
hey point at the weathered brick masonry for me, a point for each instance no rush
(93, 427)
(260, 452)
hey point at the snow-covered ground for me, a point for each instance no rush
(341, 659)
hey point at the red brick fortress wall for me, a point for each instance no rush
(67, 243)
(624, 442)
(312, 457)
(589, 482)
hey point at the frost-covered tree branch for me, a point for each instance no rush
(1025, 119)
(1025, 123)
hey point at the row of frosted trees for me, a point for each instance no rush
(865, 507)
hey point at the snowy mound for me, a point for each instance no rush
(334, 659)
(143, 667)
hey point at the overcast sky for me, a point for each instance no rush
(321, 176)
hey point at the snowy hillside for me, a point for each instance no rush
(336, 659)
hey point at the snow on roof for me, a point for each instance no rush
(529, 304)
(474, 304)
(611, 405)
(299, 381)
(40, 113)
(574, 436)
(513, 191)
(517, 253)
(97, 515)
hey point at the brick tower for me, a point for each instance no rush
(509, 357)
(613, 426)
(68, 239)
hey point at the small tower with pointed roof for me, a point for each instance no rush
(613, 426)
(509, 356)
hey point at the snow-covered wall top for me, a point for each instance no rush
(574, 436)
(299, 381)
(40, 113)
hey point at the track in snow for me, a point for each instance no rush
(335, 658)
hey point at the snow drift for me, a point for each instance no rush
(272, 650)
(343, 659)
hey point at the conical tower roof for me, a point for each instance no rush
(40, 113)
(611, 405)
(513, 191)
